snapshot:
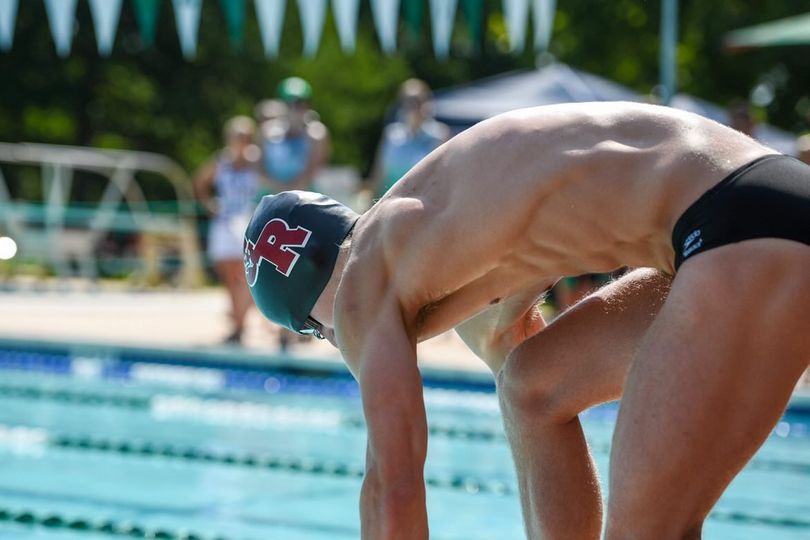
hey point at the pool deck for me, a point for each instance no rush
(172, 319)
(194, 321)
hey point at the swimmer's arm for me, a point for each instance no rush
(392, 501)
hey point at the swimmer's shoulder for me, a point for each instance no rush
(388, 239)
(401, 221)
(401, 203)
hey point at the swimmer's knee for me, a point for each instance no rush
(526, 392)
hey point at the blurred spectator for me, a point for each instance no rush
(228, 186)
(295, 145)
(741, 118)
(407, 140)
(803, 146)
(269, 109)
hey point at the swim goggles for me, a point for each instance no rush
(312, 328)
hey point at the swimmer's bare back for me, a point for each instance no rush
(511, 204)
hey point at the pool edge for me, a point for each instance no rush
(221, 357)
(231, 358)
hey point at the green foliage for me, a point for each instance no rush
(619, 40)
(150, 98)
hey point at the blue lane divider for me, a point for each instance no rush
(291, 464)
(144, 403)
(107, 527)
(120, 400)
(465, 433)
(754, 519)
(128, 529)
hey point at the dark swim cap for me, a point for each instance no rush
(291, 245)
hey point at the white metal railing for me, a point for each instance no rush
(55, 230)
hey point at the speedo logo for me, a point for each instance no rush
(692, 242)
(274, 245)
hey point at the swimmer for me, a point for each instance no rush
(704, 343)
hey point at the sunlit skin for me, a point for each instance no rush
(473, 236)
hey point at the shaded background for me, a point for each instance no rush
(151, 98)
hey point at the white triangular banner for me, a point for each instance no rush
(271, 20)
(442, 14)
(60, 19)
(8, 14)
(346, 13)
(313, 15)
(543, 12)
(386, 18)
(516, 13)
(187, 16)
(105, 17)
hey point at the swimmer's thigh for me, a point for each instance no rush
(582, 358)
(712, 377)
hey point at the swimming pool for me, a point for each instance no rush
(95, 446)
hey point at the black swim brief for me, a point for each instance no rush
(768, 198)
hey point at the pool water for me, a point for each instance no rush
(89, 455)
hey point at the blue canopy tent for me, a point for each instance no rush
(462, 106)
